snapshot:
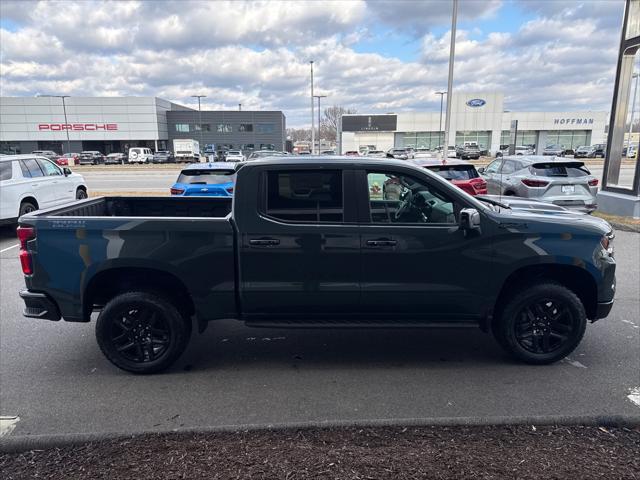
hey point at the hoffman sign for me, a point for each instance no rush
(573, 121)
(77, 127)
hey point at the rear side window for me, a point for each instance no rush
(207, 177)
(456, 172)
(311, 196)
(6, 169)
(33, 167)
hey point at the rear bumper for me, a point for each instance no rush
(39, 305)
(603, 309)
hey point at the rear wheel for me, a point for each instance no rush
(141, 332)
(541, 324)
(27, 207)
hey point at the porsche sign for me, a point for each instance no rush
(77, 127)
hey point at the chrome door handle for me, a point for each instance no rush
(381, 243)
(264, 242)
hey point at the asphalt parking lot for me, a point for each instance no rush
(54, 378)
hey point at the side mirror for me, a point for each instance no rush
(66, 171)
(481, 170)
(469, 219)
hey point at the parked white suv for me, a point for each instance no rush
(29, 182)
(140, 155)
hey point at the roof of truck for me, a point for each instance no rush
(328, 160)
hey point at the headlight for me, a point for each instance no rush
(607, 242)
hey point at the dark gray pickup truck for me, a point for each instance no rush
(317, 242)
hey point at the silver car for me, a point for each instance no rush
(554, 180)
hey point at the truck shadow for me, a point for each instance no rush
(229, 344)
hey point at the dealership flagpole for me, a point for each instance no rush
(319, 97)
(452, 53)
(64, 110)
(201, 146)
(442, 94)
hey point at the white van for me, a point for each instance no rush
(140, 155)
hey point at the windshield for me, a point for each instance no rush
(208, 177)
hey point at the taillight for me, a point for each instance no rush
(230, 190)
(24, 235)
(481, 185)
(177, 191)
(593, 182)
(534, 183)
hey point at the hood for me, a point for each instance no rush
(568, 219)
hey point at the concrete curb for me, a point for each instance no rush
(24, 443)
(624, 227)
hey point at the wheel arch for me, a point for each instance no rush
(110, 282)
(29, 197)
(576, 279)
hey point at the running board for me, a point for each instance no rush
(306, 323)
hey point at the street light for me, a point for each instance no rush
(319, 97)
(199, 119)
(442, 94)
(452, 54)
(313, 121)
(64, 109)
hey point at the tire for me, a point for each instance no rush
(27, 207)
(524, 330)
(129, 325)
(81, 194)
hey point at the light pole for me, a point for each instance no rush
(313, 120)
(201, 146)
(452, 53)
(633, 111)
(239, 107)
(64, 109)
(319, 97)
(442, 94)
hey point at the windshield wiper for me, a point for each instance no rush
(490, 201)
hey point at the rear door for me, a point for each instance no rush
(300, 253)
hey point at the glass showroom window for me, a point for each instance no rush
(265, 128)
(245, 127)
(483, 139)
(428, 140)
(224, 128)
(205, 127)
(182, 127)
(568, 138)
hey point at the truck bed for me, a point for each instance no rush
(144, 207)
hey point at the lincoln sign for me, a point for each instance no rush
(77, 127)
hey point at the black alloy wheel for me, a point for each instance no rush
(27, 207)
(142, 332)
(540, 323)
(544, 326)
(81, 194)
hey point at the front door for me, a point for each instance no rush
(301, 259)
(491, 175)
(63, 186)
(416, 262)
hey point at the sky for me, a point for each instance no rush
(371, 56)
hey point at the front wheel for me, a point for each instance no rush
(141, 332)
(81, 194)
(541, 324)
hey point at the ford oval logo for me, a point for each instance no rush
(476, 102)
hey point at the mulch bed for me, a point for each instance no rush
(521, 452)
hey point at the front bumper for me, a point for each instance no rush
(39, 305)
(603, 309)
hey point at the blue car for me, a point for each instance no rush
(206, 180)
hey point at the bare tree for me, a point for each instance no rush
(299, 134)
(331, 120)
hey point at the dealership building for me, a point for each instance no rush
(115, 124)
(478, 117)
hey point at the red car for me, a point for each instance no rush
(462, 174)
(63, 160)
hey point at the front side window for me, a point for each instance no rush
(397, 198)
(33, 167)
(182, 127)
(493, 167)
(49, 169)
(310, 196)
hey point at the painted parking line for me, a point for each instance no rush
(7, 424)
(9, 248)
(634, 395)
